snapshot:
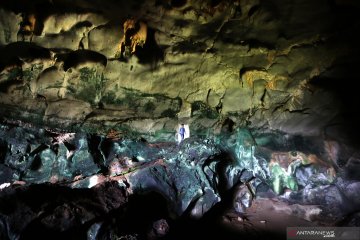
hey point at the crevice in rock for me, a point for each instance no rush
(42, 98)
(207, 96)
(3, 151)
(262, 98)
(228, 126)
(36, 163)
(281, 105)
(95, 143)
(302, 111)
(257, 44)
(191, 93)
(69, 146)
(38, 150)
(219, 106)
(253, 10)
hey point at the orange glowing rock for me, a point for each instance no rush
(135, 34)
(30, 22)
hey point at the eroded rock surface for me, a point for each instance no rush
(97, 186)
(278, 65)
(92, 94)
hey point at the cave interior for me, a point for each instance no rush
(178, 119)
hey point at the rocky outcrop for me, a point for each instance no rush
(96, 186)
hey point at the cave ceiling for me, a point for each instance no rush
(148, 65)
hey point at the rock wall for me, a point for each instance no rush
(92, 94)
(278, 65)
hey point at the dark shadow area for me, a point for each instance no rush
(70, 147)
(352, 167)
(177, 3)
(6, 175)
(212, 226)
(95, 147)
(75, 58)
(346, 12)
(94, 142)
(140, 213)
(38, 230)
(11, 53)
(253, 10)
(190, 47)
(214, 3)
(6, 85)
(46, 211)
(3, 150)
(347, 96)
(227, 126)
(106, 147)
(226, 158)
(36, 163)
(82, 24)
(151, 53)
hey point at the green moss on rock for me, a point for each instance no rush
(201, 109)
(91, 85)
(168, 113)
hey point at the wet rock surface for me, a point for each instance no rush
(96, 187)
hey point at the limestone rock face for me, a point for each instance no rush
(280, 65)
(92, 94)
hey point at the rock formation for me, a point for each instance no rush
(92, 94)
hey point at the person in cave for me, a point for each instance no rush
(182, 132)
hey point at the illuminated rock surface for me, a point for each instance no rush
(276, 65)
(92, 94)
